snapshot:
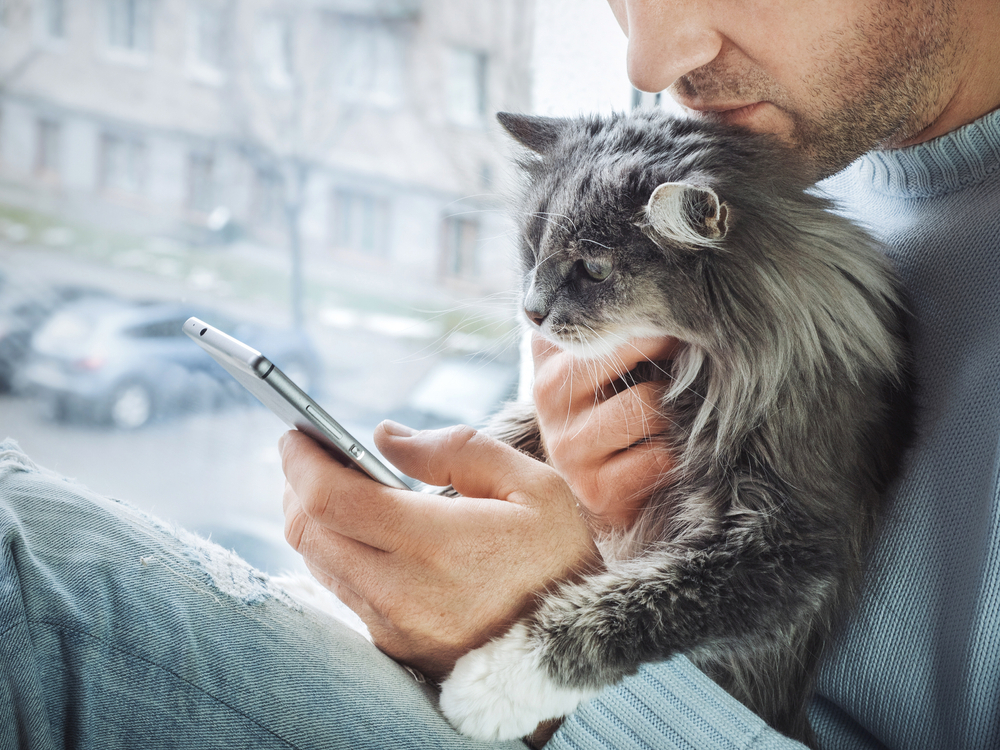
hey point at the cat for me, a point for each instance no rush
(790, 401)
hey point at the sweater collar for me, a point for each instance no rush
(956, 160)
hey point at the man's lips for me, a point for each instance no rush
(731, 114)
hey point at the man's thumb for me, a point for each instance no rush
(475, 464)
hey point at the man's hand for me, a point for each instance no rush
(593, 427)
(434, 577)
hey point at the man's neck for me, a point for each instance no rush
(975, 89)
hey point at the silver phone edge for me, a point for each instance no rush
(346, 442)
(236, 357)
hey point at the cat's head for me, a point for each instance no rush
(618, 216)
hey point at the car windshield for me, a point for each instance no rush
(67, 332)
(322, 180)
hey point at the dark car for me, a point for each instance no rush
(124, 364)
(24, 308)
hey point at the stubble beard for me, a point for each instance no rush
(884, 84)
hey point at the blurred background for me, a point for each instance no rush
(321, 178)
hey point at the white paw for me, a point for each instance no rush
(501, 692)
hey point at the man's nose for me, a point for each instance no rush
(666, 39)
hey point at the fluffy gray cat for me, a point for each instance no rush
(789, 401)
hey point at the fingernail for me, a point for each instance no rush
(398, 430)
(281, 442)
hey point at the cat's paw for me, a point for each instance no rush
(501, 691)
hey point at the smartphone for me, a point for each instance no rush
(289, 402)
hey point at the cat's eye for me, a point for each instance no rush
(598, 270)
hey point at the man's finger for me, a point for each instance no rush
(616, 491)
(572, 382)
(473, 463)
(344, 500)
(629, 417)
(339, 562)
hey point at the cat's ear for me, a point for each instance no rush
(689, 213)
(537, 133)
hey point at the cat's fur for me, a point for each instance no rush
(789, 405)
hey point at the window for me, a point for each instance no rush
(466, 80)
(47, 152)
(186, 146)
(201, 183)
(123, 164)
(129, 26)
(460, 238)
(268, 199)
(369, 63)
(361, 223)
(54, 19)
(274, 51)
(208, 38)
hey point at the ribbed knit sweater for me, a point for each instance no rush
(918, 667)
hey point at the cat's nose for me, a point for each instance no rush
(535, 316)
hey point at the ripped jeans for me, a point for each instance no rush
(117, 632)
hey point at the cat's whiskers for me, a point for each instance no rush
(482, 322)
(544, 216)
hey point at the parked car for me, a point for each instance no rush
(125, 364)
(464, 390)
(23, 310)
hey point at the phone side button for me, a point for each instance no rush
(357, 451)
(325, 422)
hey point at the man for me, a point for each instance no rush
(917, 81)
(118, 632)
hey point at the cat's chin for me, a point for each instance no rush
(597, 346)
(586, 349)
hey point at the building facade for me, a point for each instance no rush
(360, 131)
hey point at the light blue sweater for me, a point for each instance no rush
(919, 665)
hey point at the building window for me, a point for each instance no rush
(209, 32)
(369, 62)
(201, 183)
(361, 222)
(466, 80)
(47, 153)
(123, 164)
(274, 51)
(129, 25)
(268, 199)
(54, 19)
(460, 238)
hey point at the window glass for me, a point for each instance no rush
(201, 182)
(123, 163)
(316, 201)
(47, 160)
(274, 50)
(368, 64)
(467, 86)
(54, 18)
(128, 24)
(208, 35)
